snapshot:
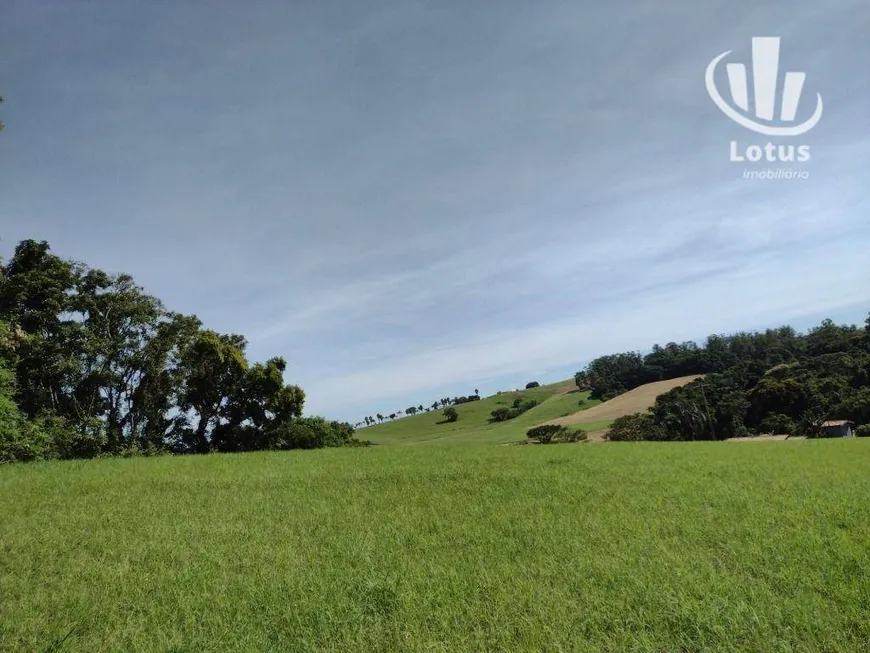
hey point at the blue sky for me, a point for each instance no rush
(412, 199)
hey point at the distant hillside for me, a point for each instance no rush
(556, 400)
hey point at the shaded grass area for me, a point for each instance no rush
(621, 547)
(474, 426)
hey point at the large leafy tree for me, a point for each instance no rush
(214, 367)
(36, 295)
(118, 321)
(91, 363)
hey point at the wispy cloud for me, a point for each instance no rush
(402, 197)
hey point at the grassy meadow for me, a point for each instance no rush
(598, 547)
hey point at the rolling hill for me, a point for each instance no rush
(556, 400)
(560, 403)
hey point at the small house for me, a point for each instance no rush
(838, 428)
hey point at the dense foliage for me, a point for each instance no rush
(633, 428)
(553, 433)
(777, 381)
(92, 365)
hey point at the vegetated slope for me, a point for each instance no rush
(556, 400)
(700, 547)
(633, 401)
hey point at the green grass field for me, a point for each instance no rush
(610, 547)
(556, 400)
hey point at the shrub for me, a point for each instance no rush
(312, 433)
(22, 441)
(633, 428)
(778, 423)
(450, 414)
(552, 433)
(863, 431)
(500, 414)
(532, 384)
(520, 407)
(85, 440)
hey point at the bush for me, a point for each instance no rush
(634, 428)
(68, 441)
(450, 414)
(22, 441)
(532, 384)
(553, 433)
(312, 433)
(502, 414)
(17, 443)
(354, 442)
(777, 423)
(863, 431)
(520, 407)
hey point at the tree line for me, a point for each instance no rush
(776, 381)
(91, 365)
(443, 402)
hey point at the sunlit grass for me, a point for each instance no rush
(616, 547)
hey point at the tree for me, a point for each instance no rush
(552, 433)
(19, 440)
(93, 364)
(632, 428)
(450, 414)
(710, 408)
(263, 406)
(118, 321)
(214, 366)
(158, 392)
(532, 384)
(36, 295)
(312, 433)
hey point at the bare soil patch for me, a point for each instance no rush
(633, 401)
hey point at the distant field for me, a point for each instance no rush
(557, 400)
(623, 547)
